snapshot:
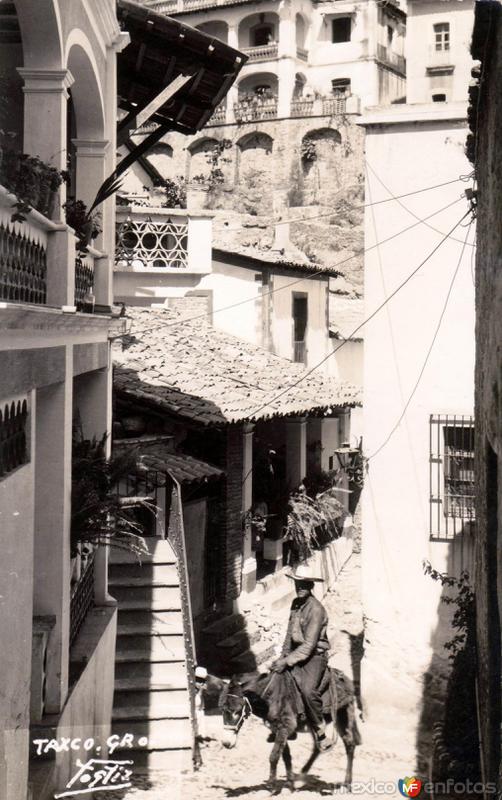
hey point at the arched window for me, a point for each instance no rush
(262, 35)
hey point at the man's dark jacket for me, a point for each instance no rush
(306, 632)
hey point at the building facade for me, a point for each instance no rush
(486, 127)
(418, 502)
(59, 110)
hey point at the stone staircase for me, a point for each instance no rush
(232, 646)
(151, 687)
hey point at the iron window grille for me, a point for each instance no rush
(452, 479)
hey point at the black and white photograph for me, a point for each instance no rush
(250, 399)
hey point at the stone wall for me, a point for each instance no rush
(486, 154)
(233, 532)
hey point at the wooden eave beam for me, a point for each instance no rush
(137, 117)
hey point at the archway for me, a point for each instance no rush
(41, 33)
(320, 164)
(216, 28)
(301, 28)
(255, 172)
(259, 30)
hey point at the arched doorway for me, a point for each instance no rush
(320, 164)
(255, 172)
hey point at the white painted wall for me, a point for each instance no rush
(282, 320)
(422, 15)
(400, 602)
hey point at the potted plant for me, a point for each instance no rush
(33, 182)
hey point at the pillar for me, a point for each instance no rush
(286, 75)
(233, 36)
(93, 400)
(45, 107)
(248, 557)
(296, 451)
(52, 526)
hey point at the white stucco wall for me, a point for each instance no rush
(282, 320)
(422, 16)
(398, 599)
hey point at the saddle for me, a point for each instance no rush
(343, 689)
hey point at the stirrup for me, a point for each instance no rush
(323, 744)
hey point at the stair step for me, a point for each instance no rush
(167, 674)
(118, 573)
(144, 580)
(147, 761)
(161, 552)
(150, 648)
(239, 642)
(250, 660)
(171, 621)
(161, 736)
(153, 628)
(152, 712)
(157, 598)
(144, 699)
(224, 627)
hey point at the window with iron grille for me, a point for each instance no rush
(452, 486)
(442, 36)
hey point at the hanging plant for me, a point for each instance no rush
(33, 182)
(313, 521)
(308, 151)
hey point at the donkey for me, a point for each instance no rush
(274, 698)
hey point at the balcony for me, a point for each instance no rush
(265, 52)
(172, 7)
(391, 59)
(219, 116)
(302, 54)
(23, 255)
(334, 105)
(302, 107)
(162, 240)
(253, 107)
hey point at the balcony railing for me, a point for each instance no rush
(302, 108)
(219, 116)
(163, 239)
(265, 52)
(13, 436)
(334, 105)
(82, 598)
(249, 110)
(302, 54)
(392, 59)
(84, 283)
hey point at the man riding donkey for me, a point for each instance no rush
(305, 649)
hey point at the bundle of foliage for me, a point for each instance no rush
(175, 193)
(312, 521)
(86, 225)
(31, 180)
(99, 515)
(215, 158)
(459, 729)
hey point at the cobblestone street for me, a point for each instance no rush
(242, 772)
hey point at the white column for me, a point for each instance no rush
(93, 401)
(248, 557)
(51, 591)
(296, 451)
(61, 267)
(200, 234)
(45, 108)
(286, 75)
(232, 99)
(233, 36)
(287, 31)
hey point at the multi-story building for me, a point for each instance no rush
(61, 83)
(418, 502)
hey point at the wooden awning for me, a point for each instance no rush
(170, 73)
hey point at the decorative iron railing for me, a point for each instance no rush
(302, 108)
(82, 598)
(13, 436)
(152, 243)
(334, 105)
(264, 52)
(251, 110)
(84, 283)
(23, 268)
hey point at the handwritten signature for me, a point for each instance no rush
(98, 774)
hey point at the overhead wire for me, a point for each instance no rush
(311, 275)
(309, 372)
(428, 354)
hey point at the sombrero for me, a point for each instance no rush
(302, 572)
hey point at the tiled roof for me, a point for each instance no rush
(191, 370)
(154, 454)
(345, 315)
(275, 258)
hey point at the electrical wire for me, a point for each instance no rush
(463, 178)
(311, 275)
(429, 351)
(309, 372)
